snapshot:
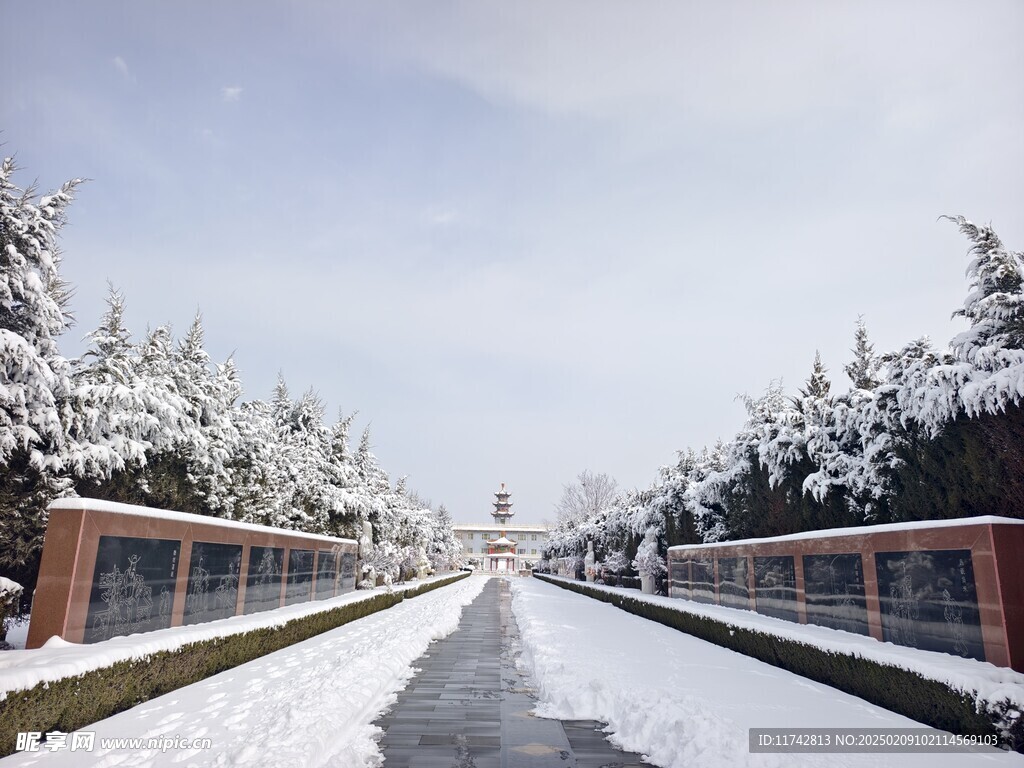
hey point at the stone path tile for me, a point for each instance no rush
(469, 707)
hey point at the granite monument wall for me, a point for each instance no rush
(114, 569)
(955, 586)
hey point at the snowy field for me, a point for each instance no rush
(680, 700)
(312, 704)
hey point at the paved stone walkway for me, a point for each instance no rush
(470, 708)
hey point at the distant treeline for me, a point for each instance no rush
(152, 422)
(922, 434)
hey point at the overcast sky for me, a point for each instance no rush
(523, 239)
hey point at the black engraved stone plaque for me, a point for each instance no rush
(263, 582)
(775, 587)
(299, 588)
(326, 574)
(132, 586)
(703, 574)
(732, 582)
(679, 577)
(347, 582)
(834, 592)
(929, 601)
(212, 582)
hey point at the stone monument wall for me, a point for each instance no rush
(114, 569)
(955, 586)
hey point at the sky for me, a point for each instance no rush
(525, 239)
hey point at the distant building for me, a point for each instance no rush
(502, 545)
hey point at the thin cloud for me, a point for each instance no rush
(122, 66)
(441, 217)
(230, 93)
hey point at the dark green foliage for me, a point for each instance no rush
(24, 495)
(974, 467)
(74, 702)
(162, 484)
(894, 688)
(754, 509)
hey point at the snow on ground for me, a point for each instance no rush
(680, 700)
(57, 659)
(992, 683)
(311, 704)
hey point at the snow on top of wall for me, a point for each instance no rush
(862, 530)
(57, 659)
(978, 678)
(97, 505)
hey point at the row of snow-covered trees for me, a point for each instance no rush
(153, 422)
(922, 434)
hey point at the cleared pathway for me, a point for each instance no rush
(469, 707)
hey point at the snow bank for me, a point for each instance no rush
(22, 670)
(311, 704)
(682, 701)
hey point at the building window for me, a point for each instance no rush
(533, 551)
(521, 552)
(533, 537)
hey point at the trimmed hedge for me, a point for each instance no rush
(900, 690)
(74, 702)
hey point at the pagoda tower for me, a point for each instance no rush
(502, 507)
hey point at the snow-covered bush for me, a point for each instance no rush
(648, 561)
(10, 597)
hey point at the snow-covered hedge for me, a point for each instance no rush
(118, 674)
(993, 706)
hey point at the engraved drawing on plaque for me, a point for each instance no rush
(703, 578)
(127, 571)
(679, 577)
(929, 601)
(326, 573)
(834, 592)
(263, 584)
(212, 582)
(347, 582)
(299, 588)
(732, 582)
(775, 587)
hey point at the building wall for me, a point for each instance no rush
(530, 540)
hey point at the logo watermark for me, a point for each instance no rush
(85, 741)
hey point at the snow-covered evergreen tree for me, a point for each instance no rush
(111, 414)
(863, 369)
(33, 375)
